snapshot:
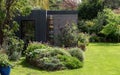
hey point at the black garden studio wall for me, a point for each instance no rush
(40, 20)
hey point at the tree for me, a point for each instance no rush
(89, 9)
(8, 10)
(39, 4)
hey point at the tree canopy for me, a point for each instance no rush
(39, 4)
(90, 8)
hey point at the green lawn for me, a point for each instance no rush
(100, 59)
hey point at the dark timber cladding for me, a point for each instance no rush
(39, 20)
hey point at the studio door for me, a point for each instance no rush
(28, 30)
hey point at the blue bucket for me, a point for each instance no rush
(5, 70)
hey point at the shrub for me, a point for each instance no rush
(70, 62)
(94, 38)
(46, 58)
(11, 43)
(68, 35)
(38, 54)
(82, 26)
(105, 27)
(35, 45)
(55, 51)
(83, 38)
(14, 47)
(86, 26)
(76, 52)
(50, 58)
(51, 63)
(112, 27)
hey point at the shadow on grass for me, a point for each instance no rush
(105, 44)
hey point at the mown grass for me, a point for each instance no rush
(100, 59)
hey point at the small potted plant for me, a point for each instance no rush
(4, 64)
